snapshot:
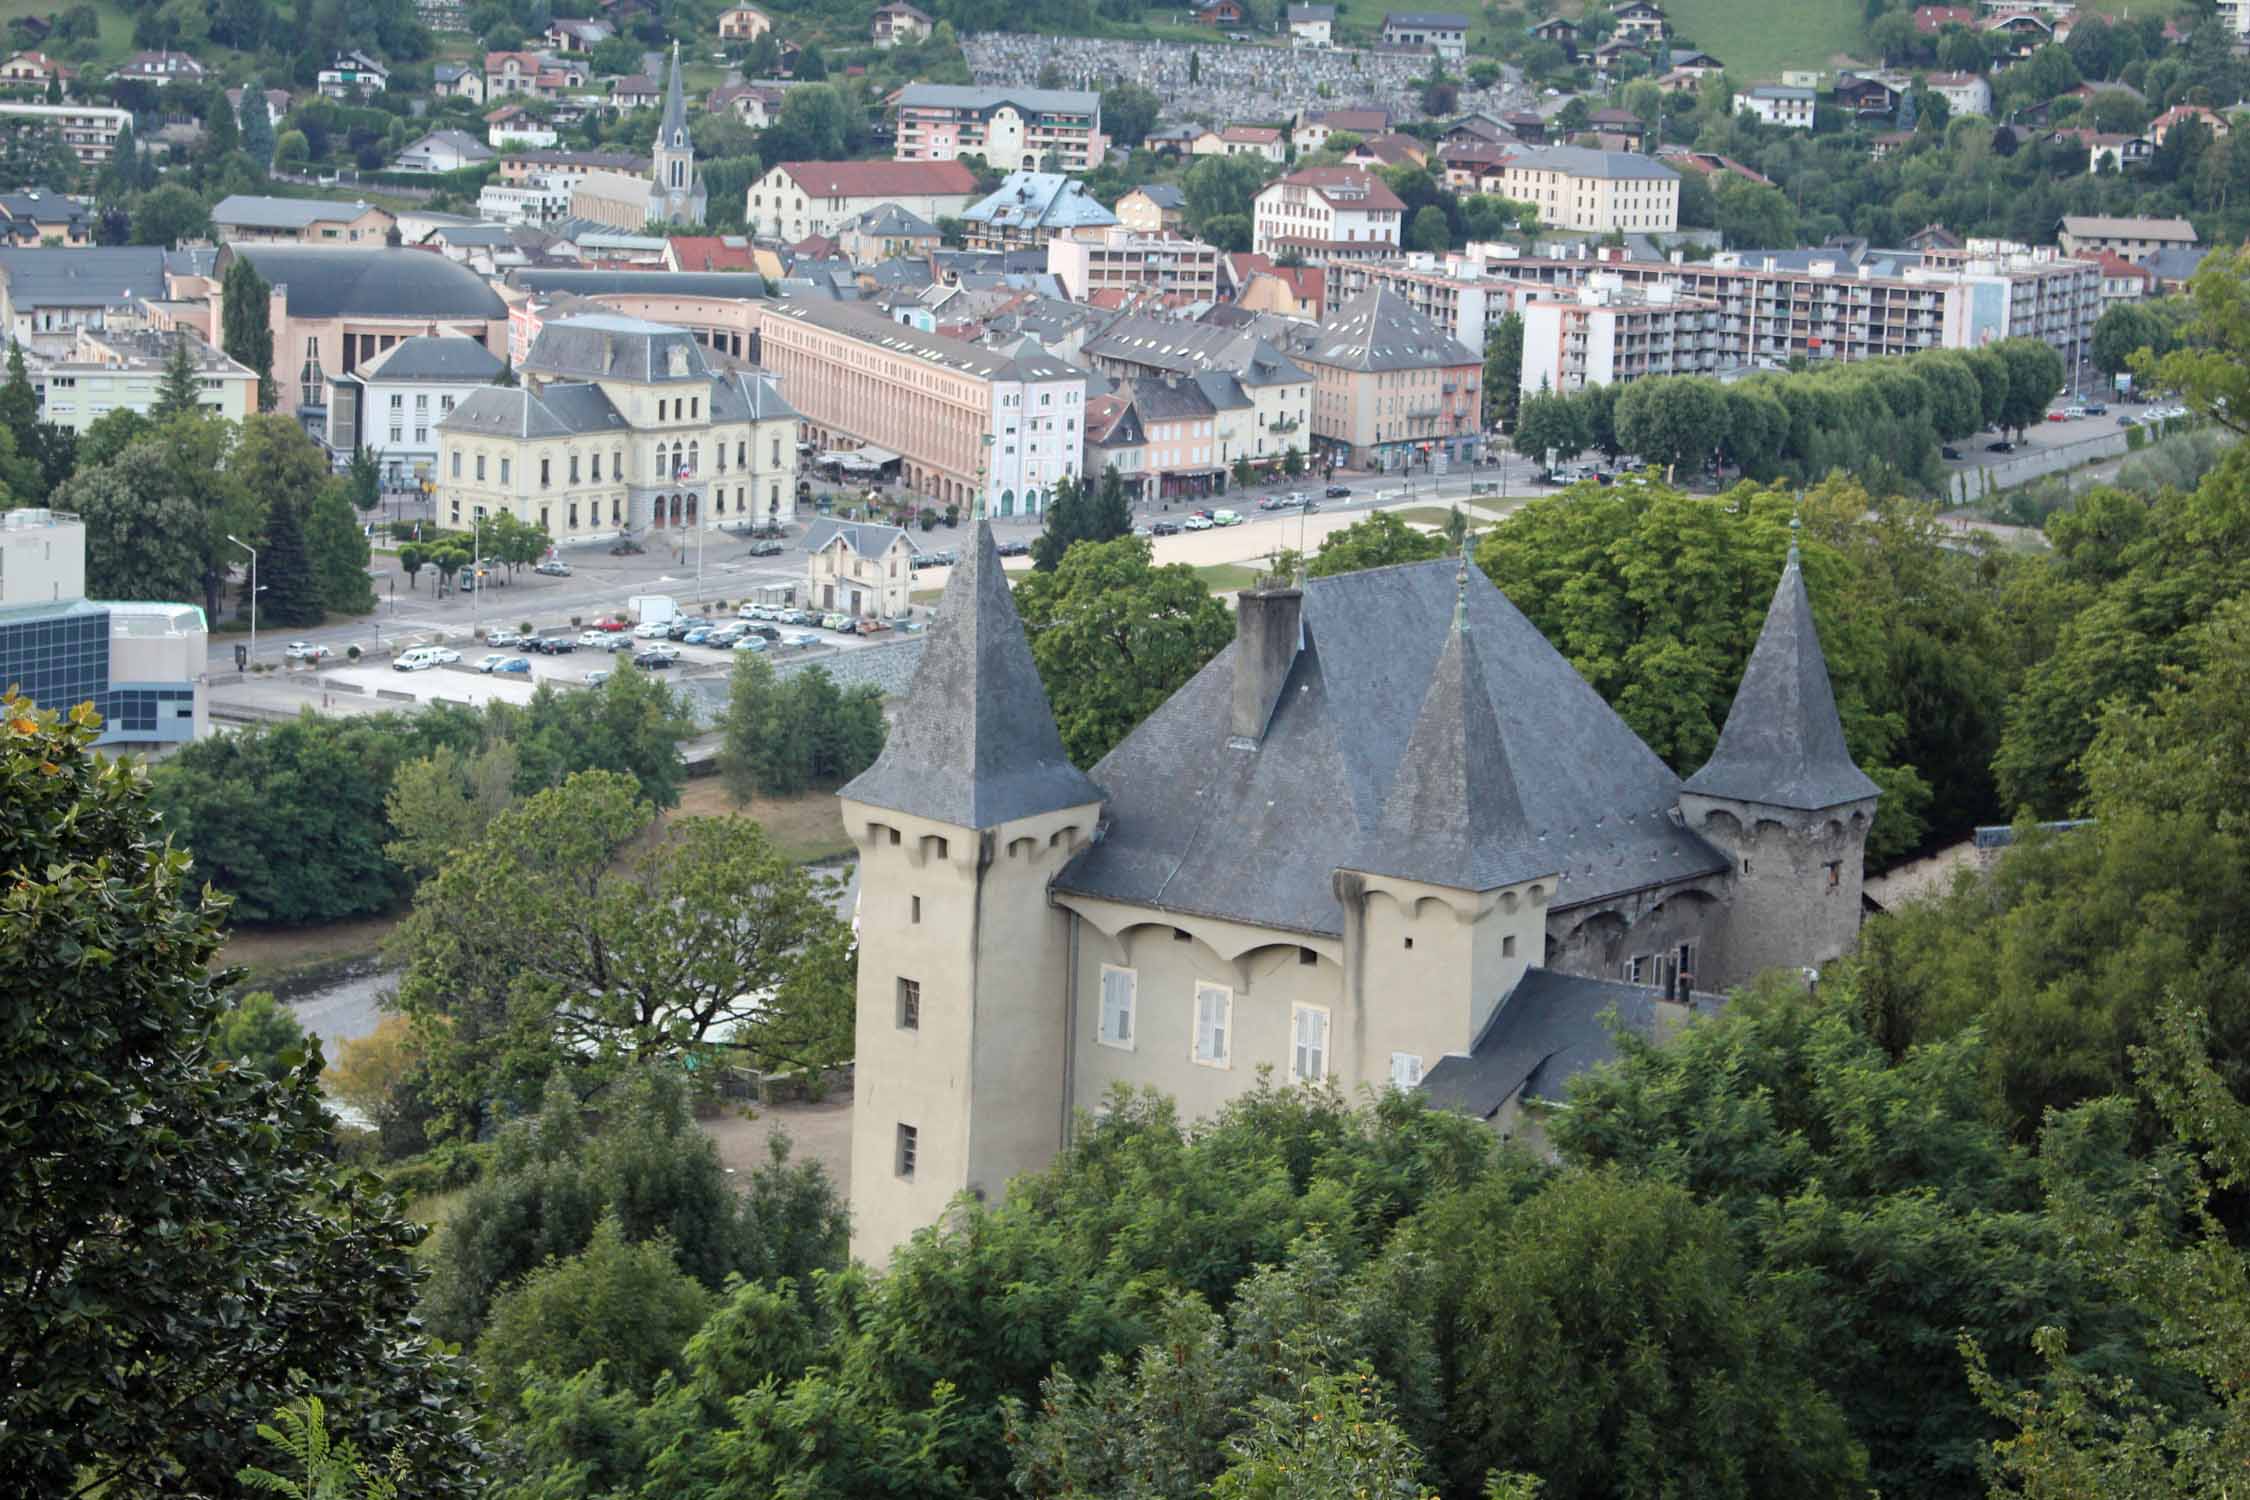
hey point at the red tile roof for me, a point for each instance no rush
(711, 252)
(880, 179)
(1359, 187)
(1931, 19)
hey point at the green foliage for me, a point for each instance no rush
(339, 550)
(1503, 371)
(246, 325)
(1074, 516)
(291, 591)
(631, 725)
(649, 1172)
(442, 803)
(181, 392)
(1223, 187)
(1377, 540)
(528, 954)
(780, 738)
(622, 1306)
(333, 1471)
(259, 1032)
(178, 1256)
(141, 538)
(1114, 635)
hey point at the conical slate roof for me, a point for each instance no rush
(1454, 815)
(976, 744)
(675, 104)
(1783, 744)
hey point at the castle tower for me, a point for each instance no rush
(679, 196)
(1781, 797)
(1448, 901)
(962, 1042)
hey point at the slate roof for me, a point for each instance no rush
(587, 283)
(1162, 194)
(975, 745)
(867, 538)
(459, 141)
(1199, 827)
(434, 358)
(1427, 20)
(1783, 744)
(1381, 330)
(109, 276)
(1039, 200)
(252, 212)
(1189, 348)
(675, 102)
(745, 396)
(1548, 1029)
(609, 346)
(963, 96)
(517, 411)
(910, 343)
(2105, 227)
(350, 282)
(1584, 161)
(889, 220)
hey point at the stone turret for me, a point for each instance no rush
(961, 822)
(1782, 798)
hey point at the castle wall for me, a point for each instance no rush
(1797, 880)
(1599, 939)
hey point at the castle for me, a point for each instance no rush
(1388, 836)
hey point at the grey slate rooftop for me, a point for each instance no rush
(117, 276)
(1584, 161)
(1380, 330)
(1547, 1030)
(611, 346)
(1783, 744)
(867, 538)
(349, 282)
(681, 283)
(515, 411)
(1199, 827)
(975, 745)
(434, 358)
(249, 211)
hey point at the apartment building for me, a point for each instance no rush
(1600, 192)
(392, 404)
(799, 199)
(2134, 239)
(244, 219)
(1278, 421)
(108, 370)
(1390, 386)
(1777, 104)
(1030, 209)
(1445, 32)
(46, 292)
(1963, 93)
(1609, 333)
(1157, 208)
(1328, 214)
(1124, 259)
(1463, 294)
(1168, 437)
(619, 424)
(1011, 128)
(955, 416)
(88, 130)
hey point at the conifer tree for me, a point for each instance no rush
(178, 394)
(285, 570)
(248, 332)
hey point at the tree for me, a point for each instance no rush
(2207, 367)
(1754, 215)
(632, 725)
(291, 588)
(1129, 112)
(442, 804)
(1076, 515)
(1547, 423)
(181, 391)
(168, 214)
(257, 1031)
(366, 482)
(2035, 375)
(292, 151)
(141, 542)
(2124, 330)
(1503, 370)
(1221, 187)
(527, 954)
(812, 126)
(1676, 421)
(339, 551)
(623, 1306)
(1429, 231)
(1377, 540)
(258, 140)
(19, 405)
(779, 738)
(195, 1206)
(1114, 636)
(246, 331)
(411, 560)
(333, 1470)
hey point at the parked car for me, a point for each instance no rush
(1014, 549)
(835, 620)
(419, 659)
(765, 549)
(696, 636)
(502, 638)
(553, 568)
(2061, 416)
(556, 645)
(1197, 523)
(514, 666)
(305, 651)
(1164, 528)
(617, 622)
(1950, 452)
(655, 658)
(492, 661)
(752, 643)
(804, 638)
(593, 638)
(597, 677)
(1338, 492)
(616, 643)
(446, 655)
(2002, 446)
(654, 630)
(726, 635)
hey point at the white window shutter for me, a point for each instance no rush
(1406, 1069)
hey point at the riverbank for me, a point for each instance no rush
(300, 958)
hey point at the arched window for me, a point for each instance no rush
(694, 457)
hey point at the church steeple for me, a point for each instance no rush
(672, 131)
(976, 744)
(674, 156)
(1783, 744)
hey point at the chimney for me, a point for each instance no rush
(1268, 631)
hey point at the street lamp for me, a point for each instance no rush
(245, 546)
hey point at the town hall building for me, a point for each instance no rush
(1388, 837)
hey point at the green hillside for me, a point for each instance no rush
(1756, 39)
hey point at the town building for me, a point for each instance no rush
(458, 81)
(1387, 838)
(635, 91)
(40, 217)
(1166, 438)
(799, 199)
(37, 70)
(1963, 93)
(1641, 22)
(46, 292)
(1261, 141)
(107, 369)
(392, 404)
(1155, 208)
(2133, 239)
(1608, 334)
(1560, 30)
(566, 169)
(353, 75)
(887, 233)
(1013, 129)
(141, 665)
(670, 193)
(2181, 114)
(1314, 127)
(859, 568)
(1777, 104)
(242, 219)
(508, 73)
(619, 425)
(1390, 387)
(88, 131)
(444, 151)
(743, 23)
(568, 35)
(1327, 214)
(333, 309)
(1463, 294)
(1445, 32)
(160, 68)
(899, 24)
(1121, 259)
(1029, 209)
(1312, 25)
(1148, 351)
(1601, 192)
(957, 418)
(513, 127)
(2123, 280)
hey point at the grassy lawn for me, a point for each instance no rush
(1226, 578)
(807, 828)
(1756, 39)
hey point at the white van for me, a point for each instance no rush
(1225, 518)
(419, 659)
